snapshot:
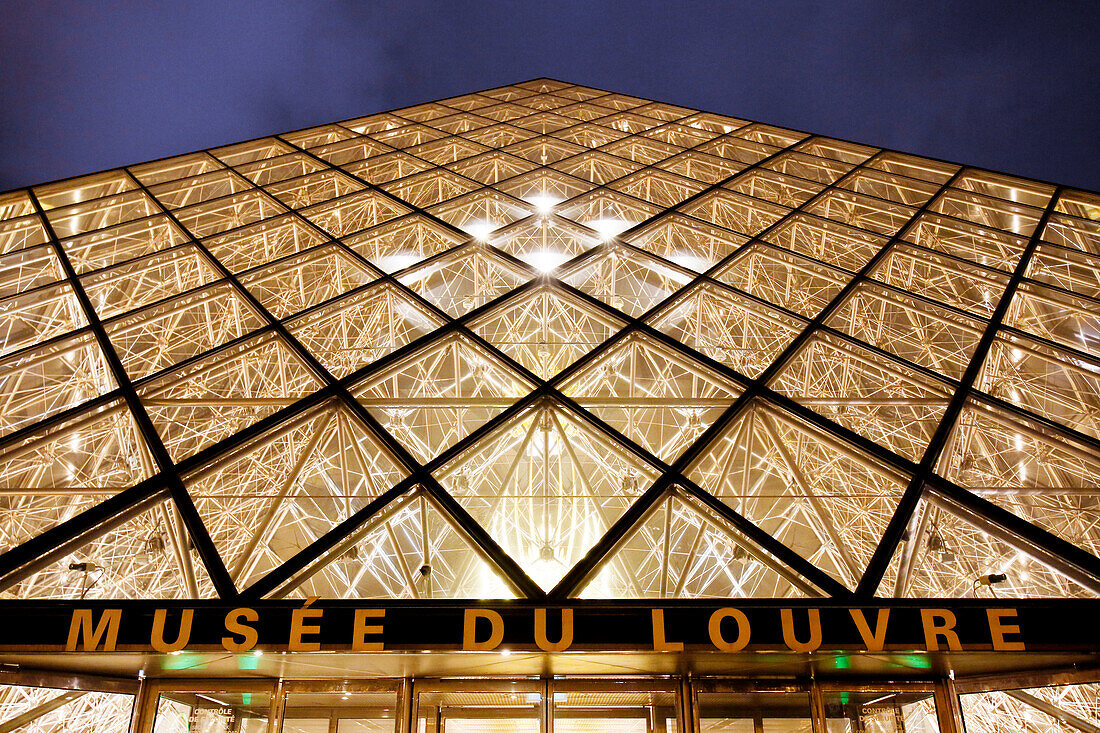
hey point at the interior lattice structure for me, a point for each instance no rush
(549, 341)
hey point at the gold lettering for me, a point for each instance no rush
(233, 625)
(787, 616)
(156, 636)
(106, 630)
(469, 629)
(933, 630)
(997, 629)
(299, 628)
(877, 641)
(715, 630)
(659, 642)
(358, 641)
(566, 639)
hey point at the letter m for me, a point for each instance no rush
(82, 633)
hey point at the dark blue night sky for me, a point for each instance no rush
(1007, 85)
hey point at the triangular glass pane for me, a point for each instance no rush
(388, 167)
(680, 552)
(136, 284)
(38, 316)
(916, 330)
(872, 395)
(733, 211)
(243, 249)
(955, 282)
(1044, 379)
(293, 285)
(404, 242)
(354, 213)
(430, 187)
(409, 550)
(659, 398)
(272, 498)
(545, 188)
(28, 269)
(544, 243)
(546, 329)
(632, 281)
(438, 395)
(224, 393)
(785, 279)
(658, 187)
(947, 556)
(465, 279)
(351, 332)
(826, 500)
(47, 379)
(597, 167)
(158, 337)
(1066, 319)
(775, 187)
(687, 242)
(1034, 471)
(729, 327)
(147, 556)
(480, 214)
(61, 470)
(546, 487)
(492, 167)
(828, 241)
(606, 212)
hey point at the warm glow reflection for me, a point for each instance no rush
(479, 229)
(610, 228)
(543, 203)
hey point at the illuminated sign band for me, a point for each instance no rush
(316, 625)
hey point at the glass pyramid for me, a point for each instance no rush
(548, 340)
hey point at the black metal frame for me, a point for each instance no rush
(21, 561)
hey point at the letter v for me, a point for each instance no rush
(877, 641)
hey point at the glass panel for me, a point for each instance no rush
(684, 550)
(213, 711)
(612, 711)
(821, 497)
(880, 712)
(1054, 709)
(659, 398)
(480, 708)
(344, 711)
(280, 492)
(754, 712)
(546, 486)
(50, 710)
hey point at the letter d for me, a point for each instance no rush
(469, 630)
